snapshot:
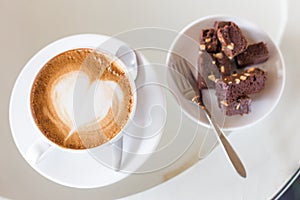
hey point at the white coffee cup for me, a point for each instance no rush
(42, 145)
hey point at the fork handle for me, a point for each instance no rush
(227, 147)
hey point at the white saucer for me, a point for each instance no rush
(92, 169)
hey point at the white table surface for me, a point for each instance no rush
(270, 149)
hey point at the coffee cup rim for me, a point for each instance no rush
(91, 41)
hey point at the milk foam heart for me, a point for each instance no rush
(81, 98)
(78, 102)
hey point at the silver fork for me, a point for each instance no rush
(187, 85)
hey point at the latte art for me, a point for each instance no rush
(81, 99)
(87, 103)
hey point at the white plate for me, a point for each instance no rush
(187, 46)
(90, 169)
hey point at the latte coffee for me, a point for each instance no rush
(81, 98)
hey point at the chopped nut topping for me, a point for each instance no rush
(218, 55)
(235, 74)
(202, 47)
(230, 46)
(207, 40)
(223, 102)
(243, 78)
(251, 69)
(213, 62)
(237, 81)
(222, 69)
(229, 82)
(212, 77)
(246, 74)
(238, 106)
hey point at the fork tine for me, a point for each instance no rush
(187, 67)
(193, 94)
(183, 76)
(178, 77)
(177, 71)
(186, 72)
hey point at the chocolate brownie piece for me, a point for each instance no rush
(224, 64)
(237, 106)
(248, 82)
(232, 40)
(212, 67)
(221, 24)
(254, 54)
(208, 71)
(209, 41)
(201, 82)
(232, 91)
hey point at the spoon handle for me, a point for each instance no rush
(118, 154)
(227, 147)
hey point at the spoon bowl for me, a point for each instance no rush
(128, 57)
